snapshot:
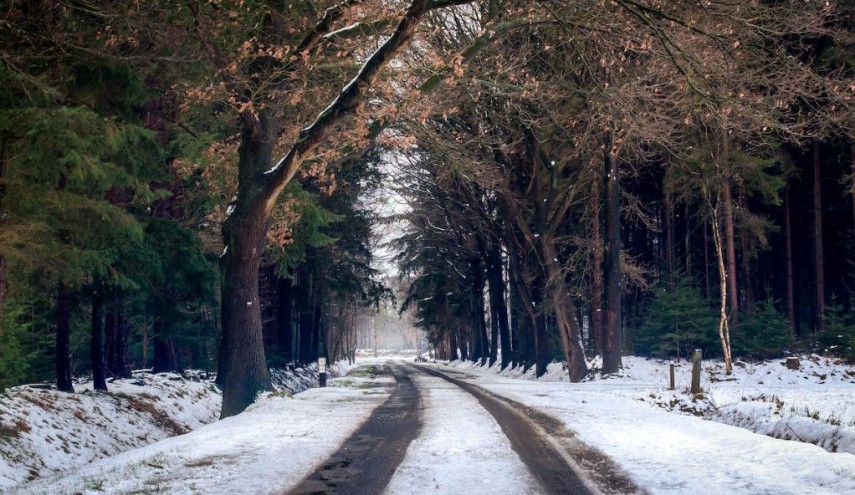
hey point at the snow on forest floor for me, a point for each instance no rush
(664, 441)
(661, 438)
(44, 432)
(813, 404)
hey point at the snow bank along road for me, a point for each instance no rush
(471, 442)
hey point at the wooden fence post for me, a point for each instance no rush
(696, 373)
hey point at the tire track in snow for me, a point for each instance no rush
(559, 460)
(368, 459)
(461, 449)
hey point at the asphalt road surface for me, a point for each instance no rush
(560, 463)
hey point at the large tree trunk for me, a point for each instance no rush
(63, 333)
(99, 376)
(612, 361)
(564, 310)
(521, 302)
(498, 307)
(819, 258)
(243, 366)
(260, 181)
(479, 324)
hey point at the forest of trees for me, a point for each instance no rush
(183, 183)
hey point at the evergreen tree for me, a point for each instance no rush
(677, 321)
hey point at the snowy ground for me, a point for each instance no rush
(639, 423)
(457, 432)
(44, 432)
(658, 436)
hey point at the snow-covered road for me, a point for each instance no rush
(461, 448)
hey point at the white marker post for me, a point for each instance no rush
(322, 371)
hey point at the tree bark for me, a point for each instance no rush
(99, 376)
(612, 361)
(285, 331)
(564, 309)
(305, 314)
(819, 258)
(527, 333)
(63, 334)
(243, 366)
(788, 241)
(117, 331)
(498, 306)
(4, 170)
(165, 357)
(729, 228)
(668, 221)
(597, 267)
(723, 327)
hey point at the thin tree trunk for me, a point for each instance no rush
(63, 333)
(723, 328)
(819, 258)
(730, 244)
(726, 199)
(165, 356)
(285, 328)
(745, 240)
(612, 361)
(788, 241)
(118, 364)
(687, 244)
(707, 286)
(4, 171)
(597, 268)
(99, 376)
(668, 220)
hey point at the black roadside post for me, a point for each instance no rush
(322, 371)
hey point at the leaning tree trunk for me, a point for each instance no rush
(612, 361)
(723, 328)
(564, 310)
(63, 333)
(261, 181)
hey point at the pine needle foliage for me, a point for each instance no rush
(677, 321)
